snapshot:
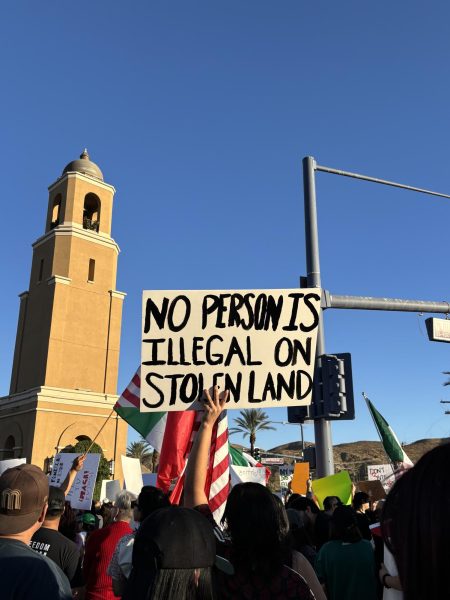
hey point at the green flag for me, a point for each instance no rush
(390, 442)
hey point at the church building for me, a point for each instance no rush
(64, 374)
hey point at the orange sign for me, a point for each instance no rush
(300, 478)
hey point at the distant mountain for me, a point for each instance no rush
(355, 456)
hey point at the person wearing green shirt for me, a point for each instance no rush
(346, 566)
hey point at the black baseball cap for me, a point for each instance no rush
(172, 538)
(56, 501)
(180, 538)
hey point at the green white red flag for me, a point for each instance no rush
(172, 435)
(151, 425)
(391, 445)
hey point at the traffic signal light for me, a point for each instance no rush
(300, 414)
(332, 395)
(336, 384)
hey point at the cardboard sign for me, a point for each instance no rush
(339, 485)
(300, 478)
(260, 345)
(244, 474)
(9, 463)
(373, 488)
(81, 493)
(132, 473)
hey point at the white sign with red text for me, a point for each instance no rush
(383, 473)
(81, 493)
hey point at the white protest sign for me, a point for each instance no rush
(132, 473)
(82, 490)
(244, 474)
(112, 489)
(383, 473)
(103, 490)
(9, 463)
(286, 473)
(258, 344)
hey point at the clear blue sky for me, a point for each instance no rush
(199, 113)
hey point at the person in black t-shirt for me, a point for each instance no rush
(50, 542)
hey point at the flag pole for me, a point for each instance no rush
(99, 431)
(378, 431)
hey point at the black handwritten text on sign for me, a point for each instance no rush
(258, 344)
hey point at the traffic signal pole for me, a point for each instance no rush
(322, 426)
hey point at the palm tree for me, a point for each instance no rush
(141, 450)
(251, 421)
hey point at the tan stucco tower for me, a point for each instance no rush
(64, 375)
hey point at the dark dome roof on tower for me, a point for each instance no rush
(84, 165)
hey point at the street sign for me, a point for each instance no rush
(272, 460)
(438, 329)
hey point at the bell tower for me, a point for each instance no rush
(64, 375)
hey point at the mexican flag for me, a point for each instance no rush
(172, 435)
(391, 445)
(168, 433)
(150, 425)
(243, 459)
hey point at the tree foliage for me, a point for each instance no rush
(141, 450)
(251, 421)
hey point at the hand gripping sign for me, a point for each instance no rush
(260, 345)
(82, 490)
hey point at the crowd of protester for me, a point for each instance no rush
(145, 549)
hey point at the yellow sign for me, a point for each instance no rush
(339, 485)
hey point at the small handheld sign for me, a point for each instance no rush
(258, 344)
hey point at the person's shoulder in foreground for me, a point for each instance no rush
(28, 575)
(23, 504)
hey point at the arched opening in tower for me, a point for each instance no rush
(56, 209)
(91, 212)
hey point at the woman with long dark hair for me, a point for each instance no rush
(173, 555)
(257, 526)
(346, 564)
(416, 527)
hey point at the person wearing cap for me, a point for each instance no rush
(50, 542)
(173, 555)
(100, 546)
(25, 574)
